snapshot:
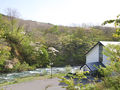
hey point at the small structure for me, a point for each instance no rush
(95, 56)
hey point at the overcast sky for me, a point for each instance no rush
(64, 12)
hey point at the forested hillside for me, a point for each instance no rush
(72, 42)
(24, 44)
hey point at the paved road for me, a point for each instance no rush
(47, 84)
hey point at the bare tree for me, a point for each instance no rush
(12, 15)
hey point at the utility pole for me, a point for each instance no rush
(51, 68)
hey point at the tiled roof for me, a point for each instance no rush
(93, 65)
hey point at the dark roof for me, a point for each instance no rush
(81, 66)
(93, 47)
(94, 65)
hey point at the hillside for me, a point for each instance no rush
(29, 43)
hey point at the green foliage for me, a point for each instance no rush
(113, 52)
(75, 45)
(111, 73)
(71, 85)
(111, 80)
(4, 54)
(4, 49)
(116, 23)
(24, 66)
(53, 30)
(42, 57)
(16, 66)
(19, 46)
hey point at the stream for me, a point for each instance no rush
(42, 71)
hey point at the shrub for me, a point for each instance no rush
(71, 85)
(24, 67)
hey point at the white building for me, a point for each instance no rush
(95, 56)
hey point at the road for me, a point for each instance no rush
(46, 84)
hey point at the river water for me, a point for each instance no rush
(42, 71)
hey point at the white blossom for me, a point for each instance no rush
(23, 32)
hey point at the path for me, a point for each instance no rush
(47, 84)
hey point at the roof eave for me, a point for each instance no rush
(94, 46)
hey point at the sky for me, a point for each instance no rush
(64, 12)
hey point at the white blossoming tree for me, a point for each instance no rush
(52, 54)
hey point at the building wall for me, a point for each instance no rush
(105, 60)
(93, 55)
